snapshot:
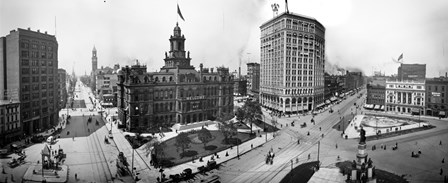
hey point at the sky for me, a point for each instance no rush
(360, 35)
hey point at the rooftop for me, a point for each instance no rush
(5, 102)
(284, 14)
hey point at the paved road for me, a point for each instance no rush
(285, 147)
(87, 153)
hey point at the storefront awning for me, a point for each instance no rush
(333, 99)
(442, 113)
(327, 101)
(415, 110)
(382, 107)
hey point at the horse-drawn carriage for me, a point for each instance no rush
(303, 125)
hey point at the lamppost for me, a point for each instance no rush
(133, 147)
(264, 128)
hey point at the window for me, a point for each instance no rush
(43, 63)
(34, 71)
(25, 62)
(25, 53)
(25, 79)
(25, 70)
(25, 88)
(43, 55)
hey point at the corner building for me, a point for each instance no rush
(30, 70)
(292, 63)
(177, 93)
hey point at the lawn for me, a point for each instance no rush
(173, 153)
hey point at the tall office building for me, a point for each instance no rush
(62, 82)
(292, 63)
(253, 79)
(29, 65)
(415, 72)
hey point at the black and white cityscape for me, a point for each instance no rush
(260, 91)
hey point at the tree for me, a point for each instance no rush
(252, 111)
(240, 114)
(156, 149)
(205, 136)
(183, 141)
(228, 131)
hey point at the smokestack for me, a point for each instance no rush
(239, 72)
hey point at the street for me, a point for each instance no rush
(251, 167)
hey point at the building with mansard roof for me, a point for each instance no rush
(177, 93)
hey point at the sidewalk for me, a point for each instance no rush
(149, 173)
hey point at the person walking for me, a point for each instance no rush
(76, 176)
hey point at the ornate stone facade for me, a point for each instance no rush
(176, 94)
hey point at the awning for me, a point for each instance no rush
(377, 107)
(415, 110)
(327, 101)
(320, 105)
(382, 107)
(442, 113)
(333, 99)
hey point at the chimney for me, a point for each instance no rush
(45, 32)
(29, 28)
(38, 30)
(211, 69)
(239, 72)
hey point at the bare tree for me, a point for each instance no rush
(205, 136)
(183, 141)
(252, 111)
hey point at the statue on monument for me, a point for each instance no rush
(363, 136)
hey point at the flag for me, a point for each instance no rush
(400, 57)
(180, 14)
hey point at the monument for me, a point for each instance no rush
(49, 168)
(362, 169)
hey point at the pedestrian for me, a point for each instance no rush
(441, 171)
(251, 146)
(440, 143)
(336, 146)
(309, 156)
(443, 160)
(419, 151)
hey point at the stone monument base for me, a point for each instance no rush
(34, 173)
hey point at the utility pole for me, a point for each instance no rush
(318, 150)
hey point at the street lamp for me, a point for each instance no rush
(133, 147)
(264, 128)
